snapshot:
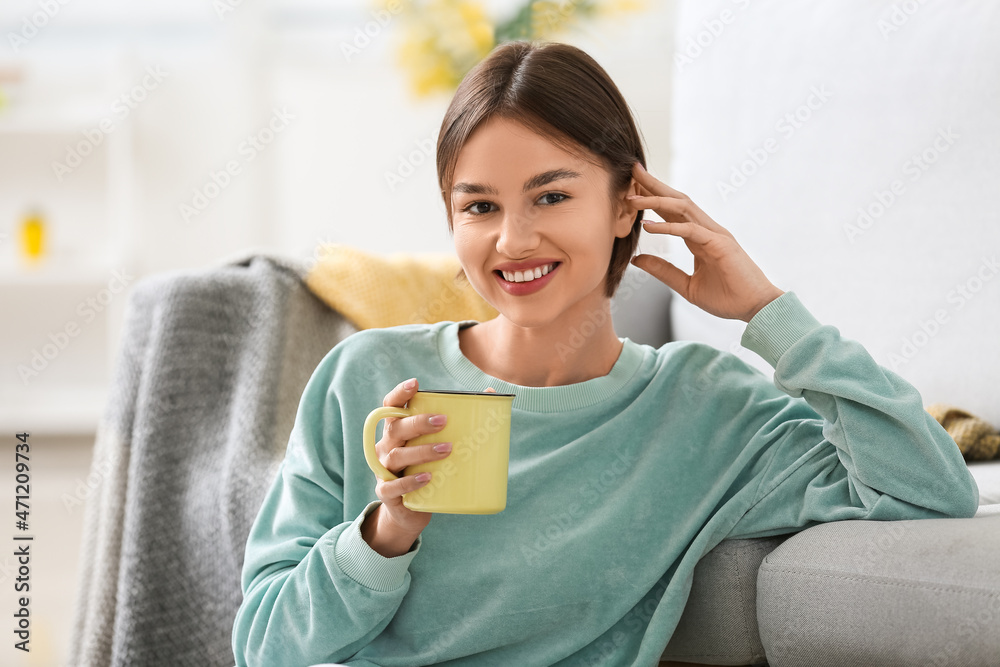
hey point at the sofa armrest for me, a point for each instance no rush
(916, 592)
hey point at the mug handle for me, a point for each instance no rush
(377, 415)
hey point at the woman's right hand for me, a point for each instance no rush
(393, 528)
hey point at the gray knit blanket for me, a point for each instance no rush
(205, 389)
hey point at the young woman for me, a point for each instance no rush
(627, 463)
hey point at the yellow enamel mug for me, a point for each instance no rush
(473, 478)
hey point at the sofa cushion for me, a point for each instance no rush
(919, 592)
(640, 309)
(719, 623)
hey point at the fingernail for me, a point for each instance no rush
(640, 166)
(423, 477)
(438, 420)
(410, 384)
(443, 447)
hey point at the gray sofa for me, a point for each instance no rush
(205, 390)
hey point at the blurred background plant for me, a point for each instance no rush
(441, 40)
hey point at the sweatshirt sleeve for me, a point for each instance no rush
(314, 590)
(860, 446)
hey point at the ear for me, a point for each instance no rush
(626, 213)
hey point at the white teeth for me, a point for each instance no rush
(527, 276)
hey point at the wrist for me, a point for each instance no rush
(772, 295)
(384, 537)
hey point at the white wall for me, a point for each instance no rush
(851, 148)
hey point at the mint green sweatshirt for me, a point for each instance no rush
(617, 486)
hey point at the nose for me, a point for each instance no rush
(518, 236)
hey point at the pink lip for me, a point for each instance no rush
(522, 289)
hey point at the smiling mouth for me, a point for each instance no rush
(527, 276)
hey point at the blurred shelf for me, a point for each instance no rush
(53, 121)
(57, 276)
(67, 411)
(75, 294)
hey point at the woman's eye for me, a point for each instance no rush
(474, 210)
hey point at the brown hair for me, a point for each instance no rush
(561, 93)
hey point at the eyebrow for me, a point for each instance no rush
(535, 181)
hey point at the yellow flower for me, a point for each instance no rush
(621, 7)
(549, 17)
(443, 39)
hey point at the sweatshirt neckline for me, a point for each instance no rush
(537, 399)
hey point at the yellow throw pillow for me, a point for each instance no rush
(375, 291)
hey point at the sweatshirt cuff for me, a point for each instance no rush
(777, 326)
(365, 565)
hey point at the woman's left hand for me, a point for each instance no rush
(725, 281)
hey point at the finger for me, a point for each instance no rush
(392, 490)
(665, 272)
(399, 458)
(401, 429)
(670, 208)
(688, 231)
(647, 200)
(491, 389)
(400, 394)
(654, 185)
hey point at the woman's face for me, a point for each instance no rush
(520, 199)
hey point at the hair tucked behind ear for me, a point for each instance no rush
(532, 82)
